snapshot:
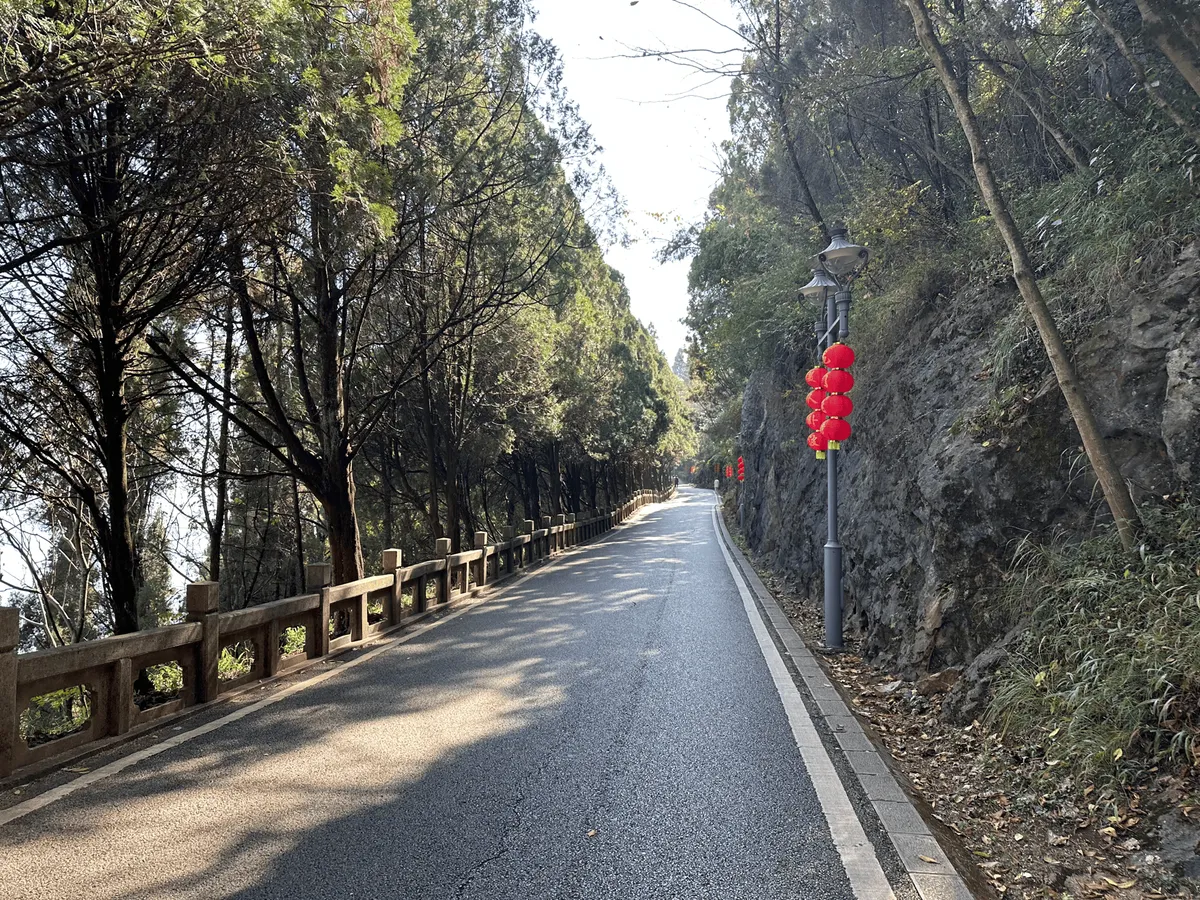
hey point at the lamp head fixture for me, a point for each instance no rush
(842, 258)
(820, 284)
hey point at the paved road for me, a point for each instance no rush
(605, 728)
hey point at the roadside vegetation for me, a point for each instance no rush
(284, 283)
(1107, 678)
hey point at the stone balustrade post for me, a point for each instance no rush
(203, 606)
(442, 551)
(480, 542)
(528, 551)
(393, 562)
(572, 533)
(120, 697)
(318, 578)
(508, 534)
(10, 636)
(560, 539)
(271, 651)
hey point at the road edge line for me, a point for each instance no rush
(914, 847)
(862, 867)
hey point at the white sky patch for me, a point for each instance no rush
(660, 124)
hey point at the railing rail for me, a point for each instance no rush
(334, 617)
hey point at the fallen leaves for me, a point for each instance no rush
(1031, 829)
(1121, 884)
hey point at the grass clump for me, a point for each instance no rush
(1108, 678)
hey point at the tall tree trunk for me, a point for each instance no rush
(345, 545)
(431, 451)
(345, 548)
(389, 513)
(532, 489)
(117, 533)
(217, 527)
(453, 525)
(1116, 492)
(575, 487)
(298, 534)
(123, 569)
(510, 496)
(554, 470)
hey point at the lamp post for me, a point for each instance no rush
(835, 269)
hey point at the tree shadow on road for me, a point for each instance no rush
(586, 734)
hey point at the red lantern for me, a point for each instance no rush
(836, 429)
(818, 442)
(838, 405)
(814, 377)
(816, 418)
(838, 381)
(839, 356)
(741, 469)
(815, 399)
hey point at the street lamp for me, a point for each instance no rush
(835, 269)
(842, 258)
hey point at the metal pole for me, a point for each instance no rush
(833, 549)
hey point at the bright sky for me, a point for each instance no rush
(659, 123)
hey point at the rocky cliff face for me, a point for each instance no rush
(945, 474)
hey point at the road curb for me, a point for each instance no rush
(903, 824)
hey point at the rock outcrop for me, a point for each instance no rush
(945, 474)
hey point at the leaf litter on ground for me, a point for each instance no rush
(1032, 831)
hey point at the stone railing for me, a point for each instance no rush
(333, 617)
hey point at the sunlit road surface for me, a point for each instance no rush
(604, 728)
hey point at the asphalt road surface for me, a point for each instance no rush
(604, 728)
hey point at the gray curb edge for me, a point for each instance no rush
(903, 824)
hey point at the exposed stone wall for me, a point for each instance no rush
(939, 483)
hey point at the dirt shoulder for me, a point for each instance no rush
(1033, 830)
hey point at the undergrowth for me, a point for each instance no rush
(1108, 678)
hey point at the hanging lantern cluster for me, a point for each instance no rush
(816, 419)
(836, 383)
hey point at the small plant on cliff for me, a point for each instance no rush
(1109, 675)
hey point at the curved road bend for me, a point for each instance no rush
(606, 728)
